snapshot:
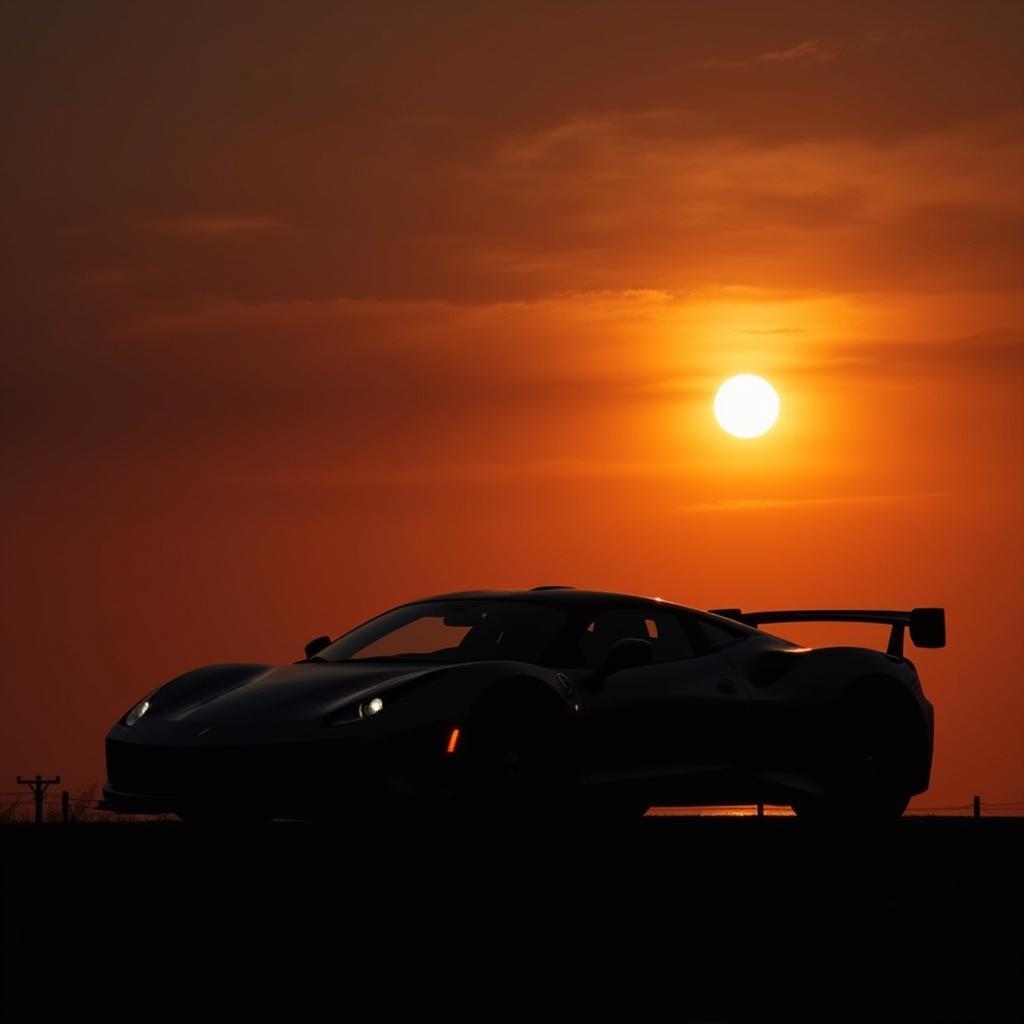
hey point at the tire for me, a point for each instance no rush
(516, 763)
(831, 809)
(866, 766)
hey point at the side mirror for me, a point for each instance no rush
(629, 652)
(316, 645)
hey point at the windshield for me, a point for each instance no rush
(454, 631)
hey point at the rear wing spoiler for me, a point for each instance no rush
(927, 625)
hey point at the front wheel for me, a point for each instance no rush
(224, 816)
(515, 763)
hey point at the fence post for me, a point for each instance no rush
(976, 802)
(760, 810)
(65, 808)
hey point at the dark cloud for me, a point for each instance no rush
(409, 154)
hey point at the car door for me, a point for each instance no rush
(681, 716)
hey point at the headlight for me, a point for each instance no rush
(136, 712)
(371, 707)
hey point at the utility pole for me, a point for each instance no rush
(976, 806)
(38, 785)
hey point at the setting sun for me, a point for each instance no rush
(746, 406)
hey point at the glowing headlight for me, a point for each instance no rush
(136, 712)
(371, 707)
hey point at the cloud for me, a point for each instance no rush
(772, 330)
(810, 49)
(495, 472)
(214, 228)
(994, 351)
(654, 202)
(757, 504)
(376, 387)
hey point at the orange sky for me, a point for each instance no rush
(315, 308)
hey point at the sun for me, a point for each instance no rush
(746, 406)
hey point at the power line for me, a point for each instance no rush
(39, 786)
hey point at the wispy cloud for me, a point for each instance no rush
(771, 330)
(938, 212)
(810, 50)
(993, 351)
(755, 504)
(216, 227)
(562, 469)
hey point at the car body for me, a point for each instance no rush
(507, 698)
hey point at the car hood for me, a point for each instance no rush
(230, 693)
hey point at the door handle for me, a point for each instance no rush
(727, 686)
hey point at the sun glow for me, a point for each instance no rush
(746, 406)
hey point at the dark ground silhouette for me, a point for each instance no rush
(665, 919)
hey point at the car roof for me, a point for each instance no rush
(562, 596)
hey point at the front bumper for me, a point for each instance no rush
(296, 778)
(137, 803)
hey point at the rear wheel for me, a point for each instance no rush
(832, 808)
(867, 766)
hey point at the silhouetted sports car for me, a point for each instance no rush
(540, 700)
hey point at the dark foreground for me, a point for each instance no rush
(668, 919)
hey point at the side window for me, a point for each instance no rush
(662, 629)
(719, 634)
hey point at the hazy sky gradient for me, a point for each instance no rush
(314, 308)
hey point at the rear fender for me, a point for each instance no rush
(824, 674)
